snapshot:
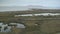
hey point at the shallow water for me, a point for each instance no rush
(39, 14)
(8, 29)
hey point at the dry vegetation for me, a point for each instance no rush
(35, 24)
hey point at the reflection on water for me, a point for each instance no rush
(6, 28)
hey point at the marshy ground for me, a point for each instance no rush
(34, 24)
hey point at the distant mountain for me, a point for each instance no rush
(42, 7)
(19, 8)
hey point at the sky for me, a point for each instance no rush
(46, 3)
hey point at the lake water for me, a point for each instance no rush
(39, 14)
(8, 29)
(12, 8)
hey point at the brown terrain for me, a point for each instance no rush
(34, 24)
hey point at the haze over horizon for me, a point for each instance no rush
(15, 4)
